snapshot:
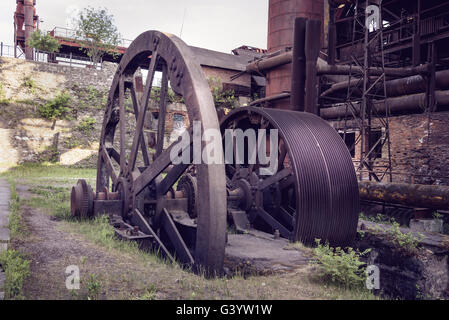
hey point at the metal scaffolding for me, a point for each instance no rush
(373, 140)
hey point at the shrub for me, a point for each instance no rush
(172, 97)
(3, 99)
(93, 287)
(339, 266)
(28, 82)
(87, 124)
(43, 42)
(56, 108)
(17, 269)
(405, 242)
(222, 98)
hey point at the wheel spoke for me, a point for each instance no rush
(284, 173)
(143, 143)
(286, 216)
(143, 110)
(113, 154)
(156, 168)
(170, 179)
(162, 111)
(108, 163)
(122, 123)
(176, 239)
(139, 220)
(273, 223)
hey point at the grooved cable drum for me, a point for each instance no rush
(327, 196)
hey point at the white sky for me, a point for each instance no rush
(220, 25)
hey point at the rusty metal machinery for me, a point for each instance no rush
(313, 194)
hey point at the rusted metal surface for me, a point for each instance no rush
(281, 17)
(396, 104)
(298, 77)
(143, 195)
(314, 192)
(312, 50)
(266, 64)
(29, 27)
(414, 195)
(398, 87)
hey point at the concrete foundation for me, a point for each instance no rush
(428, 225)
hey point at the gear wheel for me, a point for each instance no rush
(82, 200)
(188, 184)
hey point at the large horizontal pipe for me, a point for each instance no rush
(413, 195)
(280, 96)
(397, 87)
(269, 63)
(397, 104)
(324, 69)
(394, 72)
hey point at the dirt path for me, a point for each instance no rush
(51, 250)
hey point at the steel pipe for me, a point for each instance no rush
(398, 87)
(397, 104)
(413, 195)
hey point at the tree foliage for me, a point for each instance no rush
(223, 99)
(43, 42)
(97, 33)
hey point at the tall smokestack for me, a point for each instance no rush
(281, 19)
(29, 27)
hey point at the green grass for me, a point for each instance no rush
(17, 269)
(16, 225)
(16, 266)
(49, 174)
(54, 199)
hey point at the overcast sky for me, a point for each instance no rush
(220, 25)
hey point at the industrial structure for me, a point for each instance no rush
(25, 22)
(357, 89)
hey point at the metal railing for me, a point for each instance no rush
(56, 57)
(67, 33)
(7, 50)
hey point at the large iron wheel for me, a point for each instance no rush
(314, 192)
(144, 180)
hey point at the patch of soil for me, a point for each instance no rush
(52, 250)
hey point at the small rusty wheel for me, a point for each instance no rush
(144, 176)
(314, 192)
(81, 200)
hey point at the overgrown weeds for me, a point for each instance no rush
(16, 226)
(93, 287)
(17, 269)
(56, 108)
(339, 266)
(406, 243)
(86, 125)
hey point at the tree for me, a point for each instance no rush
(97, 33)
(43, 42)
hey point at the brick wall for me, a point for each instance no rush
(417, 157)
(421, 157)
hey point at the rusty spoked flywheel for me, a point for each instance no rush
(313, 194)
(142, 172)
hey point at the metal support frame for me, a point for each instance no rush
(368, 117)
